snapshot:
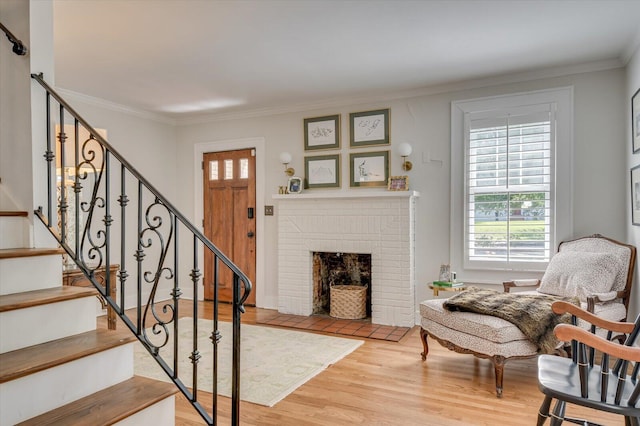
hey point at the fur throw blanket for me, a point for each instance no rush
(531, 313)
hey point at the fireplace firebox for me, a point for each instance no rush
(331, 269)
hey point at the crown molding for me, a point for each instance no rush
(631, 48)
(387, 96)
(117, 107)
(382, 96)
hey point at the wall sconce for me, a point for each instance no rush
(404, 149)
(285, 158)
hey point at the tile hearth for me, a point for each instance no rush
(345, 327)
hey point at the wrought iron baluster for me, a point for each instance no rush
(154, 226)
(235, 374)
(139, 257)
(77, 187)
(108, 220)
(123, 200)
(195, 355)
(218, 335)
(62, 206)
(49, 156)
(175, 294)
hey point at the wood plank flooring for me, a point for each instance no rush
(387, 383)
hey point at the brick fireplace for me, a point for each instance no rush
(379, 223)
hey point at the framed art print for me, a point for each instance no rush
(635, 195)
(322, 171)
(635, 121)
(369, 128)
(322, 132)
(369, 169)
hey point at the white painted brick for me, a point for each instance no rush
(382, 227)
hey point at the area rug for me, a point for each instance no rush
(273, 362)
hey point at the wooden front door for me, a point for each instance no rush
(230, 218)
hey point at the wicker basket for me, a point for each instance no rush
(348, 301)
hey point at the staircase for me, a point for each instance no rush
(56, 367)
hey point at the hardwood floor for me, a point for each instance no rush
(387, 383)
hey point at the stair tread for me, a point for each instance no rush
(27, 252)
(15, 213)
(109, 405)
(10, 302)
(32, 359)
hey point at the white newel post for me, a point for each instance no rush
(377, 223)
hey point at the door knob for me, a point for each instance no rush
(250, 234)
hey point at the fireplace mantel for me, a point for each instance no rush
(364, 193)
(379, 223)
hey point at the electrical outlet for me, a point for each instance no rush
(268, 210)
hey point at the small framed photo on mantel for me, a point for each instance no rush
(322, 133)
(369, 128)
(398, 183)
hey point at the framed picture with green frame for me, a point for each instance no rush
(322, 171)
(369, 169)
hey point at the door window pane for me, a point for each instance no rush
(228, 169)
(213, 170)
(244, 168)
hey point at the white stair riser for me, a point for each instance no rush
(14, 232)
(162, 413)
(38, 393)
(30, 273)
(38, 324)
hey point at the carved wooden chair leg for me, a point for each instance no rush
(543, 412)
(558, 413)
(498, 365)
(425, 345)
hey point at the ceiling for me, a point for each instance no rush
(184, 57)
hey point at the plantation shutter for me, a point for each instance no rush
(509, 182)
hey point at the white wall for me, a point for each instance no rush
(632, 160)
(15, 115)
(424, 122)
(147, 143)
(22, 108)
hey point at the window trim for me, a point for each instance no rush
(562, 99)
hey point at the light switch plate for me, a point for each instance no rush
(268, 210)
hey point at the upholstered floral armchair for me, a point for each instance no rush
(594, 271)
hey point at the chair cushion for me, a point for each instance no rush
(488, 334)
(580, 274)
(602, 245)
(480, 334)
(489, 327)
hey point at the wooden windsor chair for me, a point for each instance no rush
(601, 374)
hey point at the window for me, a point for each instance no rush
(508, 187)
(510, 203)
